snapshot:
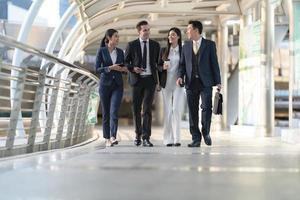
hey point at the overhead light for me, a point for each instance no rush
(207, 22)
(233, 22)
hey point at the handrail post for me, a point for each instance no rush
(16, 108)
(51, 111)
(36, 110)
(63, 114)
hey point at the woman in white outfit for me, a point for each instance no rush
(173, 95)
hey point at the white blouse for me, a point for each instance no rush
(172, 71)
(113, 56)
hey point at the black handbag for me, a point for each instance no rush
(218, 100)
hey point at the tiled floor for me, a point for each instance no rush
(235, 167)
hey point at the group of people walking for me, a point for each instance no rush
(194, 65)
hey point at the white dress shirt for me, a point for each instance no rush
(198, 42)
(148, 68)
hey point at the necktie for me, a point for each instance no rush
(195, 47)
(144, 59)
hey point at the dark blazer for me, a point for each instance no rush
(208, 65)
(103, 61)
(133, 58)
(162, 73)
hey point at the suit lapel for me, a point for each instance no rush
(202, 47)
(150, 51)
(139, 49)
(189, 51)
(118, 57)
(107, 56)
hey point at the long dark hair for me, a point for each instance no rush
(178, 33)
(108, 34)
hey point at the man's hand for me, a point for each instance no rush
(138, 70)
(124, 69)
(179, 81)
(219, 87)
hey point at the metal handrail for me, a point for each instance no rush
(56, 107)
(29, 49)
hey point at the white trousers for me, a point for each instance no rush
(173, 100)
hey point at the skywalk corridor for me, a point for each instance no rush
(234, 167)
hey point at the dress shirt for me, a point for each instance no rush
(148, 68)
(113, 56)
(198, 43)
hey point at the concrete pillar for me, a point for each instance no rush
(267, 75)
(291, 59)
(224, 72)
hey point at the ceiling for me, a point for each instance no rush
(123, 15)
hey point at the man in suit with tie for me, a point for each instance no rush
(200, 69)
(141, 58)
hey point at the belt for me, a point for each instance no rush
(146, 76)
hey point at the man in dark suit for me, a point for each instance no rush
(200, 69)
(141, 58)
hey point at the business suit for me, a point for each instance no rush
(143, 85)
(111, 90)
(201, 72)
(172, 96)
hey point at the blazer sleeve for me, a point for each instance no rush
(100, 66)
(182, 69)
(160, 61)
(129, 57)
(215, 64)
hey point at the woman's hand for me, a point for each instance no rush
(179, 81)
(116, 67)
(165, 66)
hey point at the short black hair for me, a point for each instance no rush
(197, 24)
(141, 23)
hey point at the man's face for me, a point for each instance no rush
(191, 32)
(144, 33)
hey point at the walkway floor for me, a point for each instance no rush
(235, 168)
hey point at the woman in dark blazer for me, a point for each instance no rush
(110, 66)
(173, 95)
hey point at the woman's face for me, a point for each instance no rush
(173, 37)
(114, 40)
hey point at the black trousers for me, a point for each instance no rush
(142, 99)
(194, 93)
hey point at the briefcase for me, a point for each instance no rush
(218, 100)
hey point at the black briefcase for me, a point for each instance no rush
(218, 100)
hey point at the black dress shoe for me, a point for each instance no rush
(194, 144)
(147, 143)
(169, 145)
(177, 144)
(207, 140)
(137, 142)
